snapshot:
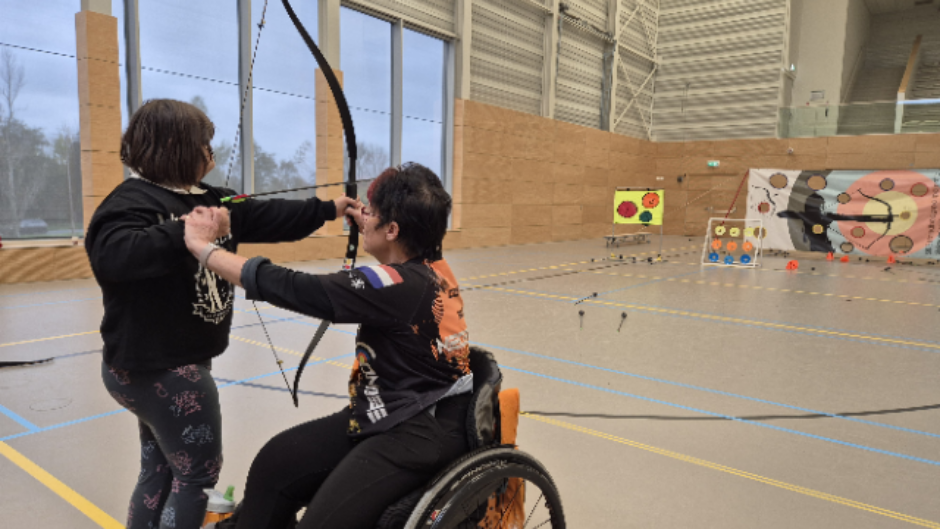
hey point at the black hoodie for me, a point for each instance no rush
(162, 309)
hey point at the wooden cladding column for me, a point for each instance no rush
(331, 149)
(99, 96)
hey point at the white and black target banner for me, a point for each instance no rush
(878, 213)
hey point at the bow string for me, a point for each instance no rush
(352, 247)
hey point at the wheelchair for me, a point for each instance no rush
(494, 486)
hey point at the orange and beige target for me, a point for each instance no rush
(904, 197)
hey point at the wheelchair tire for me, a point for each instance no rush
(459, 499)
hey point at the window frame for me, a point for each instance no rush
(399, 24)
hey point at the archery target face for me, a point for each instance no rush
(869, 212)
(732, 242)
(893, 195)
(638, 207)
(627, 209)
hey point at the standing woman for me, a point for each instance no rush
(165, 315)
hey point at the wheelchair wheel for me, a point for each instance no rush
(462, 498)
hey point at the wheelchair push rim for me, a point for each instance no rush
(460, 499)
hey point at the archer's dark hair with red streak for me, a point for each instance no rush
(413, 196)
(164, 142)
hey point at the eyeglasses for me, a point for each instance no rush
(211, 152)
(366, 212)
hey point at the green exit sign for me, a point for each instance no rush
(713, 163)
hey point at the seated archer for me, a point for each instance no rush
(411, 383)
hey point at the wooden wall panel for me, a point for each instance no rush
(26, 265)
(524, 179)
(99, 98)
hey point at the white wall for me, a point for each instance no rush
(821, 48)
(796, 28)
(857, 31)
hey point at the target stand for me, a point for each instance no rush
(637, 205)
(734, 243)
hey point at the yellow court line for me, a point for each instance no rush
(769, 325)
(75, 499)
(289, 351)
(838, 276)
(48, 338)
(771, 289)
(562, 265)
(740, 473)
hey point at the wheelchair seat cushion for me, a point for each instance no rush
(483, 414)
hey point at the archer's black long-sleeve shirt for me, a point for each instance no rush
(412, 346)
(162, 309)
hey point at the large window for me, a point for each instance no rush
(368, 62)
(365, 59)
(423, 100)
(189, 52)
(40, 162)
(285, 132)
(393, 76)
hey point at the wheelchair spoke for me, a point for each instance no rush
(511, 501)
(529, 517)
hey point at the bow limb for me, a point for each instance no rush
(352, 153)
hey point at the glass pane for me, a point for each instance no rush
(423, 95)
(40, 169)
(189, 52)
(861, 118)
(284, 101)
(117, 9)
(366, 60)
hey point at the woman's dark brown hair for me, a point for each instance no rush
(165, 140)
(413, 196)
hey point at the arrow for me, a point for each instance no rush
(235, 199)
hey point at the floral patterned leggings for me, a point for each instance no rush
(180, 437)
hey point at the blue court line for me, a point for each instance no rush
(300, 321)
(589, 386)
(808, 326)
(729, 417)
(285, 390)
(36, 430)
(534, 295)
(80, 353)
(708, 390)
(22, 422)
(697, 388)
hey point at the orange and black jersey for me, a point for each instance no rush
(412, 346)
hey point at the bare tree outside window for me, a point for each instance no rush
(372, 159)
(40, 175)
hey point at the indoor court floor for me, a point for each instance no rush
(730, 398)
